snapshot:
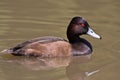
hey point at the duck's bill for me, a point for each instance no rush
(93, 34)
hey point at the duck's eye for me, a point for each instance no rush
(82, 24)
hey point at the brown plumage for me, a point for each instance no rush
(56, 47)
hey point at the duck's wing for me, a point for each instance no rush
(46, 39)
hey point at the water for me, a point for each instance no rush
(21, 20)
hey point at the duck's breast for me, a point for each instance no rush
(79, 49)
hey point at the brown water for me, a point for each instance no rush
(26, 19)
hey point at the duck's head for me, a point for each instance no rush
(79, 26)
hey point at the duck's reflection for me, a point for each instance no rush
(32, 63)
(46, 63)
(77, 68)
(73, 70)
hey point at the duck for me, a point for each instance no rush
(50, 46)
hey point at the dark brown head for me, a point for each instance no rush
(77, 27)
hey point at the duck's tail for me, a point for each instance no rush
(7, 51)
(11, 51)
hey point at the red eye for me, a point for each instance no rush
(83, 25)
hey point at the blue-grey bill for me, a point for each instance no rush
(93, 34)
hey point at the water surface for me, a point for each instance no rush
(21, 20)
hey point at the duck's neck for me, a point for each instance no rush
(73, 38)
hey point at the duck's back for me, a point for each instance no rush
(43, 46)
